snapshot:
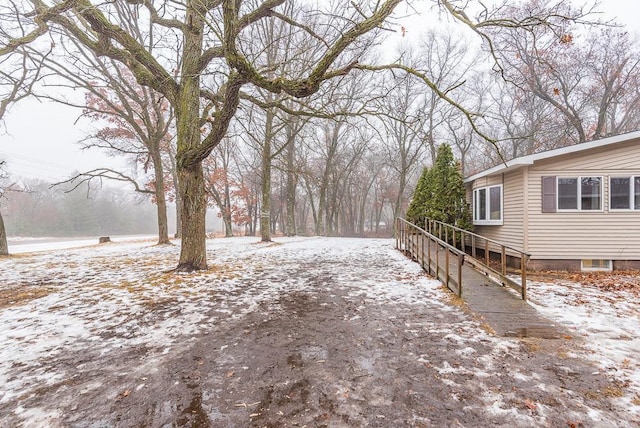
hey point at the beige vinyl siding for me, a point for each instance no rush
(488, 181)
(511, 232)
(584, 234)
(619, 157)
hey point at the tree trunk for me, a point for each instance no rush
(178, 215)
(399, 203)
(161, 201)
(193, 251)
(291, 191)
(191, 189)
(312, 204)
(228, 224)
(4, 246)
(174, 175)
(265, 211)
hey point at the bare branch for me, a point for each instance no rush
(100, 174)
(442, 95)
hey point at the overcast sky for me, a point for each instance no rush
(41, 139)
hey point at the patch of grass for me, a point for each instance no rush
(21, 295)
(214, 272)
(613, 390)
(531, 344)
(486, 327)
(17, 256)
(452, 298)
(269, 244)
(61, 265)
(156, 304)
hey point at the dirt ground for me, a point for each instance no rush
(323, 355)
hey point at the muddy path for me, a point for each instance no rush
(327, 354)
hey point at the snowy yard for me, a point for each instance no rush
(304, 331)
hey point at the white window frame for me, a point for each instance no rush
(487, 205)
(579, 194)
(632, 192)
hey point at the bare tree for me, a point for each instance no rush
(585, 79)
(5, 186)
(211, 37)
(135, 121)
(18, 71)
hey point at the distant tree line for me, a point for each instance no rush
(34, 209)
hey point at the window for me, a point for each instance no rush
(495, 203)
(567, 193)
(596, 265)
(624, 193)
(580, 193)
(487, 205)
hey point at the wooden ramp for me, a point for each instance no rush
(499, 306)
(503, 310)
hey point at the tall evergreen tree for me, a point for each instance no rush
(440, 193)
(416, 213)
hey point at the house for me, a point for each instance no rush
(573, 208)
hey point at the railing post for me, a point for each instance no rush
(446, 270)
(460, 263)
(523, 275)
(503, 258)
(404, 236)
(437, 259)
(454, 239)
(429, 254)
(473, 246)
(486, 252)
(422, 250)
(446, 234)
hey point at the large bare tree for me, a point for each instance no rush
(210, 70)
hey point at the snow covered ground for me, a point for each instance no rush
(605, 313)
(66, 314)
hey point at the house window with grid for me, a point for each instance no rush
(579, 193)
(624, 193)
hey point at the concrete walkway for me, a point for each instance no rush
(501, 308)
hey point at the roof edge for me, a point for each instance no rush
(531, 159)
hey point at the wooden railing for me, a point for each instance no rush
(428, 250)
(488, 256)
